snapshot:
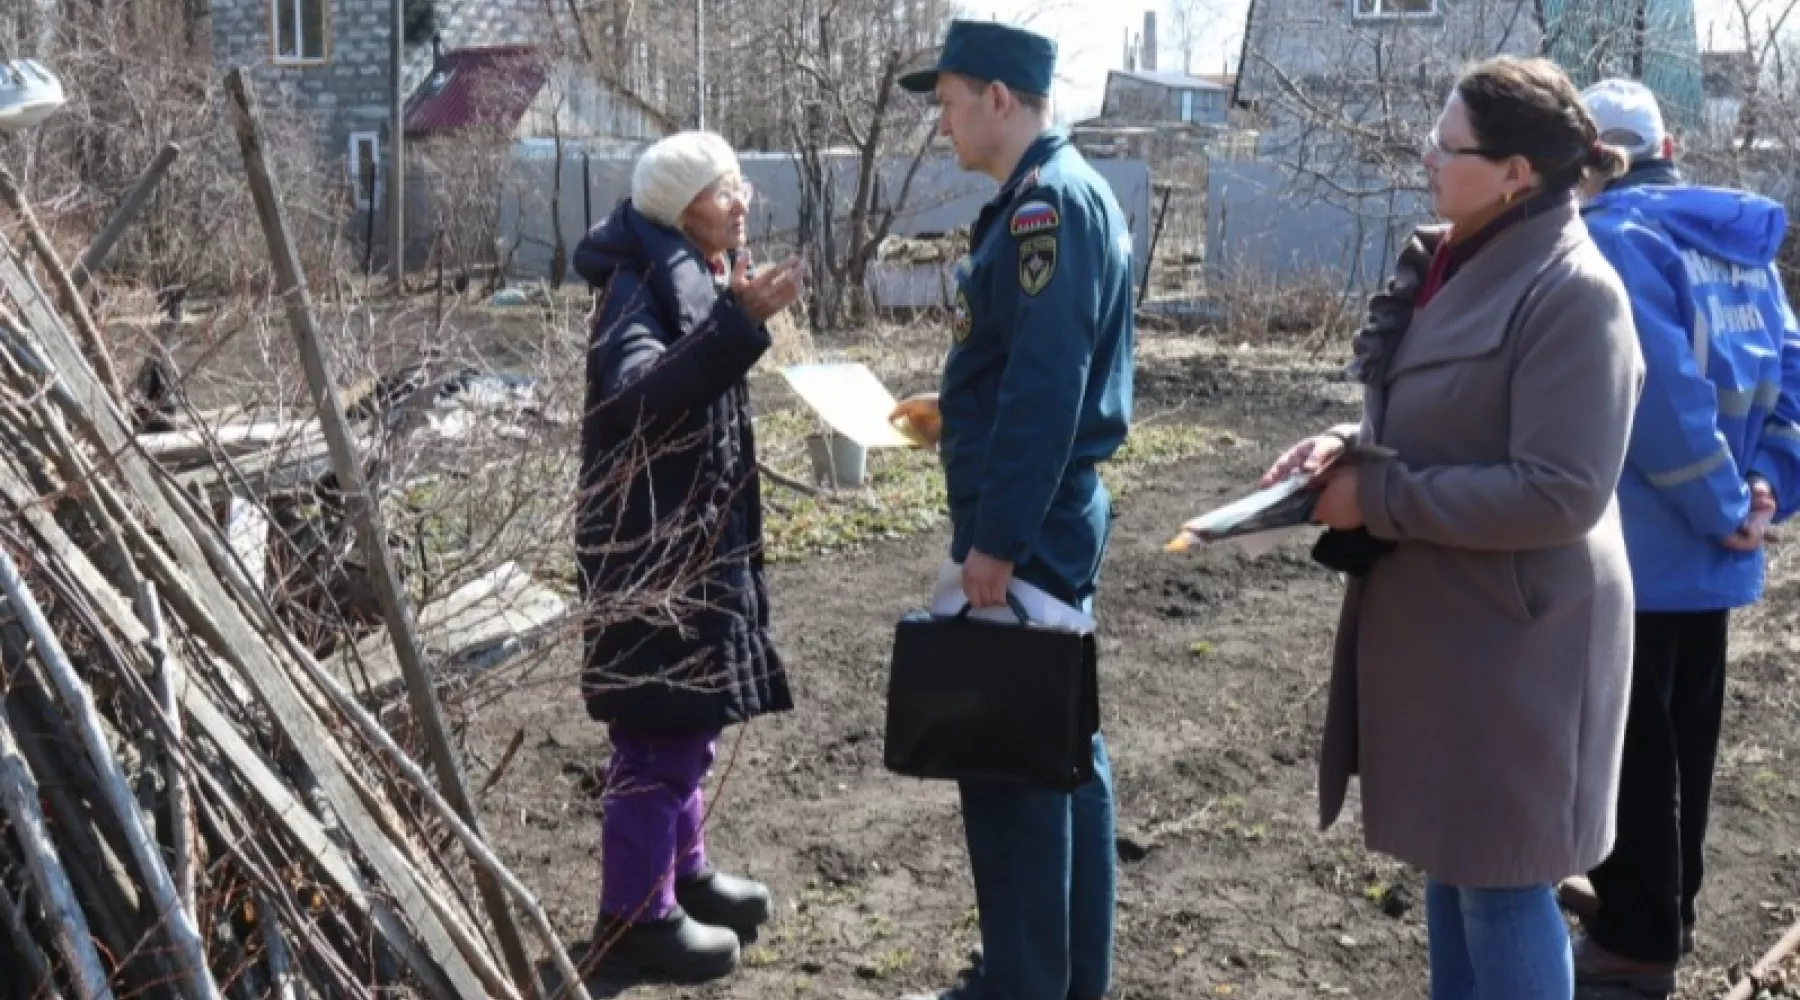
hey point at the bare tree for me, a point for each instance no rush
(1192, 22)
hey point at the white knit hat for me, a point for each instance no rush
(674, 170)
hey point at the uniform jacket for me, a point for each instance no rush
(1481, 668)
(1036, 389)
(1722, 392)
(670, 518)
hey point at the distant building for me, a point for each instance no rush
(1724, 80)
(466, 62)
(1650, 40)
(1360, 54)
(1152, 97)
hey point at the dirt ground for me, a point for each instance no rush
(1213, 683)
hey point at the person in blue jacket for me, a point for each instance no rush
(1035, 394)
(669, 537)
(1714, 459)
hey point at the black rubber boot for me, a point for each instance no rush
(726, 901)
(676, 949)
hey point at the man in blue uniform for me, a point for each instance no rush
(1036, 392)
(1714, 459)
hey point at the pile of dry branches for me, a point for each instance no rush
(190, 805)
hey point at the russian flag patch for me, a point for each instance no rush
(1035, 217)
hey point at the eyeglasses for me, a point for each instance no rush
(1434, 145)
(728, 192)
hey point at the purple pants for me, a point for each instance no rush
(651, 829)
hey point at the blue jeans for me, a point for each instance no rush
(1497, 944)
(1044, 884)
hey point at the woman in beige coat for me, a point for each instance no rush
(1483, 653)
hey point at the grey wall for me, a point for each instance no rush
(1313, 71)
(1318, 40)
(1264, 225)
(346, 93)
(942, 199)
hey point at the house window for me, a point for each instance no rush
(299, 29)
(1385, 9)
(365, 168)
(1187, 105)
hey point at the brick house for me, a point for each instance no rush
(468, 64)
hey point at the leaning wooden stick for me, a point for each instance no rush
(109, 234)
(371, 534)
(37, 968)
(190, 952)
(170, 680)
(19, 795)
(471, 840)
(94, 344)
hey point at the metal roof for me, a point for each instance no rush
(491, 86)
(1171, 79)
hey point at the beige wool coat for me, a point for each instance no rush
(1481, 668)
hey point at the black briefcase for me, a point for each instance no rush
(997, 701)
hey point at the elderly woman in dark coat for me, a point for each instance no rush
(1480, 677)
(670, 534)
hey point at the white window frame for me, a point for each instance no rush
(359, 191)
(298, 57)
(1378, 13)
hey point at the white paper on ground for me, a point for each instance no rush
(947, 599)
(849, 398)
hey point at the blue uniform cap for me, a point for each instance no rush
(991, 52)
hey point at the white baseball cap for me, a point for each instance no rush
(1627, 115)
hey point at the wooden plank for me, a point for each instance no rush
(200, 599)
(486, 621)
(201, 444)
(247, 532)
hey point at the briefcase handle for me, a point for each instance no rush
(1012, 601)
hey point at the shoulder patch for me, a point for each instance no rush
(1035, 216)
(1037, 262)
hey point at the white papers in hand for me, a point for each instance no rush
(850, 399)
(1226, 520)
(947, 599)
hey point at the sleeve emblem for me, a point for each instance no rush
(1034, 217)
(1037, 263)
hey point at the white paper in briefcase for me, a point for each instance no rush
(947, 598)
(849, 398)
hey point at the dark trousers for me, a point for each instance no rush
(1648, 884)
(1045, 883)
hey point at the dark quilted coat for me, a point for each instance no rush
(670, 516)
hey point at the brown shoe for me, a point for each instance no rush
(1595, 966)
(1577, 895)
